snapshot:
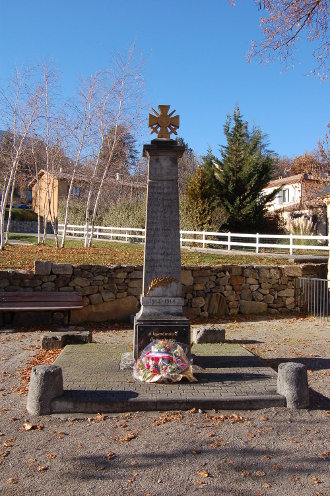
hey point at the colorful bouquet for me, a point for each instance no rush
(163, 361)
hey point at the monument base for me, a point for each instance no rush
(174, 327)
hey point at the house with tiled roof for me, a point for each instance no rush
(300, 197)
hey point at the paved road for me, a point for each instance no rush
(246, 453)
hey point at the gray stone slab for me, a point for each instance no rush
(93, 382)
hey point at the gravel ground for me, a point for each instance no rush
(265, 452)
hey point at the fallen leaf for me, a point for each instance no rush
(42, 468)
(110, 455)
(246, 473)
(324, 455)
(277, 467)
(250, 435)
(12, 481)
(260, 473)
(50, 456)
(267, 457)
(217, 442)
(131, 480)
(316, 480)
(133, 463)
(4, 454)
(266, 484)
(128, 437)
(203, 473)
(1, 434)
(168, 417)
(27, 426)
(99, 417)
(60, 435)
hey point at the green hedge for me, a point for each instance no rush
(21, 214)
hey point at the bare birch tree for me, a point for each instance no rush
(80, 132)
(119, 111)
(20, 108)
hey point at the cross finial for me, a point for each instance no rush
(163, 123)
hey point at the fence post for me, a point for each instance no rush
(291, 244)
(203, 240)
(180, 239)
(257, 242)
(97, 233)
(229, 246)
(126, 238)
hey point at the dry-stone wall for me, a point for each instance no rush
(112, 293)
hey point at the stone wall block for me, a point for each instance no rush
(286, 292)
(42, 268)
(257, 296)
(81, 282)
(216, 304)
(246, 294)
(95, 299)
(62, 269)
(51, 278)
(88, 290)
(62, 281)
(48, 286)
(135, 283)
(31, 283)
(198, 302)
(46, 383)
(252, 280)
(108, 296)
(252, 307)
(237, 280)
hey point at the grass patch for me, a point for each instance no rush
(105, 253)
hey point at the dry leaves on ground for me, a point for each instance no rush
(27, 426)
(233, 418)
(12, 481)
(44, 357)
(168, 417)
(125, 439)
(203, 473)
(99, 417)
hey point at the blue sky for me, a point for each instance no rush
(194, 59)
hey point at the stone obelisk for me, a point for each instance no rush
(161, 313)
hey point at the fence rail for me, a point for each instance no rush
(230, 241)
(314, 297)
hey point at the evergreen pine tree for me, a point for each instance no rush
(244, 170)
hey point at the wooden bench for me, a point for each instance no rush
(40, 301)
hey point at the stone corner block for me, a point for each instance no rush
(59, 339)
(62, 269)
(292, 383)
(46, 383)
(127, 361)
(208, 334)
(42, 268)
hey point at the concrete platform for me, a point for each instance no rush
(229, 377)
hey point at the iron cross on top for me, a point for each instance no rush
(163, 123)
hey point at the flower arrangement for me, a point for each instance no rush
(163, 361)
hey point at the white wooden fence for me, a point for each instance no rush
(227, 240)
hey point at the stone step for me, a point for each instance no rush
(129, 401)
